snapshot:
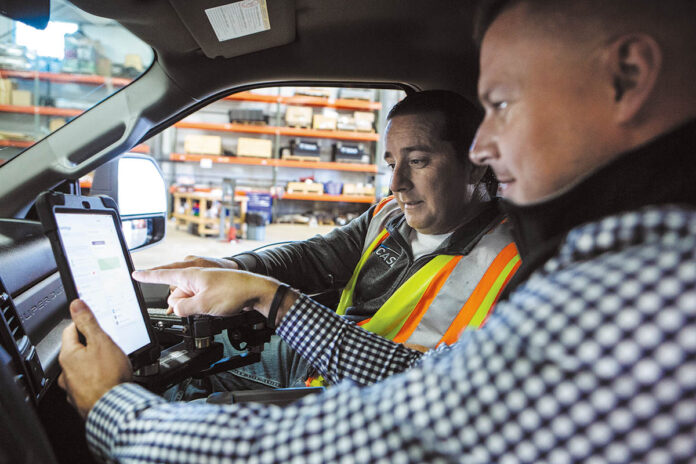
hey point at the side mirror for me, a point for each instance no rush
(135, 182)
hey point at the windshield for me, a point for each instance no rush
(50, 76)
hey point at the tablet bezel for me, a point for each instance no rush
(52, 203)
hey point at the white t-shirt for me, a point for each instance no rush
(422, 244)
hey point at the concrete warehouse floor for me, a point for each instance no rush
(177, 244)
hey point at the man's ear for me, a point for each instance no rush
(636, 62)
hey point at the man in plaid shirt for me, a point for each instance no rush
(591, 128)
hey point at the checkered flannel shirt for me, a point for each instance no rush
(593, 359)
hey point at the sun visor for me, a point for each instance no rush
(232, 28)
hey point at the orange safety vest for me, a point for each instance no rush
(447, 295)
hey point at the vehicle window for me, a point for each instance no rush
(50, 76)
(301, 160)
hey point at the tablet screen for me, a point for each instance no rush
(102, 278)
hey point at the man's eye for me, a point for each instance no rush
(391, 166)
(418, 162)
(500, 105)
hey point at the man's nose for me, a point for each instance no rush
(400, 180)
(482, 150)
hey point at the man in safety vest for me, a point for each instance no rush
(418, 268)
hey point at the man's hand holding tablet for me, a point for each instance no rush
(91, 370)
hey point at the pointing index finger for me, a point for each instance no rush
(174, 277)
(175, 265)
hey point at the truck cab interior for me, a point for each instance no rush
(404, 44)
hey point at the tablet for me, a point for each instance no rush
(95, 266)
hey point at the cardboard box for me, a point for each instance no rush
(6, 87)
(203, 144)
(258, 148)
(55, 124)
(319, 92)
(350, 93)
(104, 67)
(359, 189)
(346, 122)
(299, 116)
(134, 61)
(21, 98)
(364, 121)
(17, 136)
(305, 187)
(321, 122)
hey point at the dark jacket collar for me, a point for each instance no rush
(662, 171)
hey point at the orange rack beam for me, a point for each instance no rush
(303, 100)
(327, 197)
(334, 166)
(65, 78)
(142, 148)
(42, 110)
(16, 143)
(275, 130)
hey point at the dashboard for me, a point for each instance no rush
(33, 306)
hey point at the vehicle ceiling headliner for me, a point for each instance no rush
(424, 43)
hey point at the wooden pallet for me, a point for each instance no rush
(349, 160)
(304, 191)
(303, 187)
(301, 158)
(249, 123)
(249, 155)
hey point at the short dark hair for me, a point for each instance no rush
(670, 14)
(461, 119)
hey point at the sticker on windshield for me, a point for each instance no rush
(239, 19)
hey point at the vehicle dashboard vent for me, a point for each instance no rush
(11, 318)
(15, 341)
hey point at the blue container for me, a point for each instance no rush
(333, 188)
(261, 203)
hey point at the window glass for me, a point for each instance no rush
(316, 152)
(49, 76)
(270, 165)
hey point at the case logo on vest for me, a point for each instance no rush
(387, 255)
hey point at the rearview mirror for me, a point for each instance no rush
(135, 182)
(34, 13)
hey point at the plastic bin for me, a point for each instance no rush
(256, 226)
(256, 232)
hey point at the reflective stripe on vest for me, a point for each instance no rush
(478, 307)
(382, 204)
(347, 294)
(447, 295)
